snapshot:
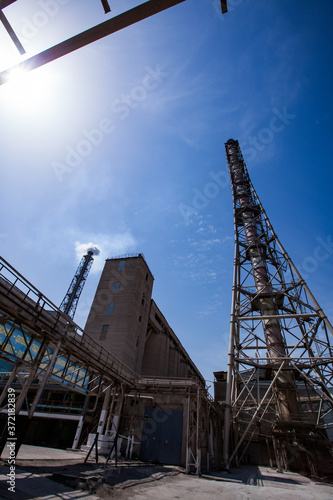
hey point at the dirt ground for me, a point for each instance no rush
(142, 481)
(104, 481)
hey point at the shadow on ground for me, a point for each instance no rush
(133, 478)
(251, 475)
(91, 476)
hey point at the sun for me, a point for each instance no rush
(26, 91)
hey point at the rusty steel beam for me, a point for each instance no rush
(11, 33)
(224, 6)
(106, 6)
(113, 25)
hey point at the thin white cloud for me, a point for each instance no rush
(205, 245)
(110, 246)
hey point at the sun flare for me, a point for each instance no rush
(26, 91)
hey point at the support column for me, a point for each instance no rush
(45, 379)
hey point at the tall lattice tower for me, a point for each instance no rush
(279, 398)
(71, 299)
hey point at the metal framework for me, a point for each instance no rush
(49, 350)
(71, 299)
(200, 409)
(39, 339)
(32, 326)
(131, 16)
(280, 377)
(202, 418)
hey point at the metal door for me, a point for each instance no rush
(162, 436)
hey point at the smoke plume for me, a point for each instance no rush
(83, 248)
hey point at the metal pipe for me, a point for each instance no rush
(242, 195)
(231, 361)
(9, 383)
(104, 411)
(319, 310)
(188, 434)
(276, 316)
(198, 458)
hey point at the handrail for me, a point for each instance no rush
(58, 322)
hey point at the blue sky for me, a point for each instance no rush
(122, 144)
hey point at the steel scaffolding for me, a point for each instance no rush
(279, 378)
(71, 299)
(38, 338)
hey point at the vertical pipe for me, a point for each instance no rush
(256, 255)
(104, 412)
(78, 433)
(198, 458)
(231, 361)
(188, 434)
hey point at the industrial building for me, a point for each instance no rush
(145, 393)
(161, 416)
(126, 321)
(126, 385)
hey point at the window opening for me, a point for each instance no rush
(121, 265)
(109, 309)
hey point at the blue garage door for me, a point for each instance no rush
(162, 436)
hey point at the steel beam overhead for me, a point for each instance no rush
(113, 25)
(224, 6)
(11, 33)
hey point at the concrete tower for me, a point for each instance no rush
(119, 315)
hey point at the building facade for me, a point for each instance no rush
(126, 321)
(170, 411)
(119, 314)
(125, 381)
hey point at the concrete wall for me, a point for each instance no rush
(125, 321)
(164, 354)
(173, 399)
(118, 318)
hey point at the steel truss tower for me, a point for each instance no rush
(279, 395)
(70, 301)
